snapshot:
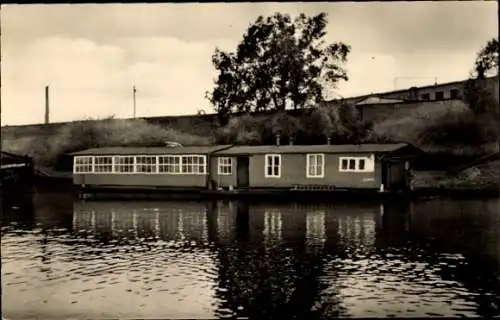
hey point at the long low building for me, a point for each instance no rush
(454, 90)
(381, 167)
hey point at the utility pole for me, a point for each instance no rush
(47, 109)
(134, 92)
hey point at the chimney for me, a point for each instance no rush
(278, 139)
(46, 104)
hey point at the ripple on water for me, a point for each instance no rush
(353, 274)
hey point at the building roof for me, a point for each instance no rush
(349, 148)
(150, 150)
(378, 100)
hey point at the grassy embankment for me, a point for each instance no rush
(75, 136)
(454, 130)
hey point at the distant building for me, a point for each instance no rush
(435, 92)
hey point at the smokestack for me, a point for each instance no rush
(277, 139)
(47, 105)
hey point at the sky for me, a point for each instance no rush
(91, 55)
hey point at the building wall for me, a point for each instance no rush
(164, 180)
(432, 92)
(293, 171)
(223, 180)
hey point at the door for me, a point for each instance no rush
(386, 172)
(242, 171)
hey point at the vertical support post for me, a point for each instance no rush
(134, 94)
(47, 109)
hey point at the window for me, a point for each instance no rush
(426, 96)
(103, 164)
(225, 166)
(273, 166)
(169, 164)
(356, 164)
(193, 164)
(182, 164)
(439, 95)
(315, 165)
(146, 164)
(361, 164)
(83, 164)
(454, 94)
(124, 164)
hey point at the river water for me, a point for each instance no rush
(65, 258)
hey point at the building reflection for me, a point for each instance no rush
(146, 221)
(284, 259)
(276, 272)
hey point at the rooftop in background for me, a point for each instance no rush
(404, 94)
(378, 100)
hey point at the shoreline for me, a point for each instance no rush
(289, 195)
(421, 190)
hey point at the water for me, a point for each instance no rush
(63, 259)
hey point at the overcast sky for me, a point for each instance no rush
(92, 54)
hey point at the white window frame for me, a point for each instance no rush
(97, 165)
(117, 164)
(312, 162)
(173, 162)
(202, 164)
(89, 165)
(141, 161)
(356, 164)
(273, 164)
(200, 168)
(225, 166)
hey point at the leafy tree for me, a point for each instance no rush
(280, 63)
(487, 59)
(479, 97)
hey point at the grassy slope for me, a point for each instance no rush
(451, 128)
(484, 176)
(81, 135)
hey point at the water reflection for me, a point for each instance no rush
(235, 259)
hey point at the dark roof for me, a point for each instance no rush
(349, 148)
(8, 158)
(150, 150)
(378, 100)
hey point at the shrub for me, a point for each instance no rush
(311, 126)
(451, 128)
(240, 130)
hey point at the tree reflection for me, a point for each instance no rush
(273, 272)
